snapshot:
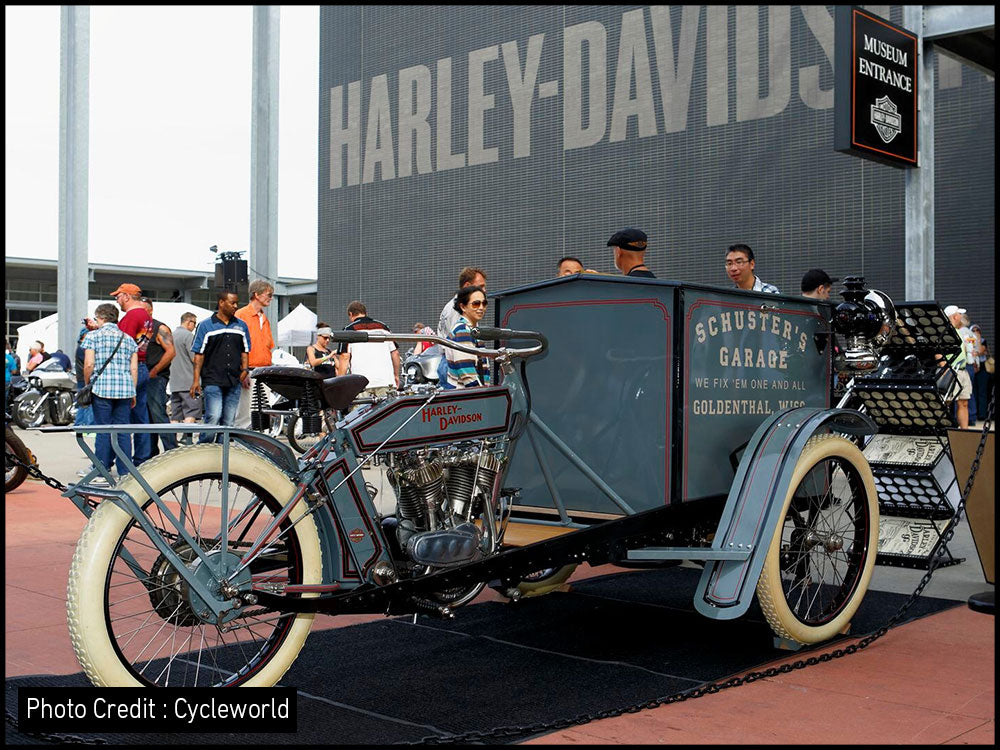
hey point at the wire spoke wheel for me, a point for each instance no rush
(148, 626)
(822, 554)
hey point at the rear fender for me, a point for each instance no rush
(755, 501)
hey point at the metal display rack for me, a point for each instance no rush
(910, 456)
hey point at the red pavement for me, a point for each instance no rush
(926, 682)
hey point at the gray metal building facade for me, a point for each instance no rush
(507, 136)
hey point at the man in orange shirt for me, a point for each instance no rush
(261, 342)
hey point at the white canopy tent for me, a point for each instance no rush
(298, 328)
(46, 330)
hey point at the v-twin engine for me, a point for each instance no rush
(446, 503)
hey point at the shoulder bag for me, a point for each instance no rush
(85, 396)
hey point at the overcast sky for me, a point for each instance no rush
(169, 134)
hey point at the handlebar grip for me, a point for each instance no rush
(496, 334)
(350, 337)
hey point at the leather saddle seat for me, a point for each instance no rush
(291, 382)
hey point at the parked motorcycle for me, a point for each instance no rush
(50, 397)
(423, 367)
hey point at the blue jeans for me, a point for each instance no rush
(443, 373)
(981, 390)
(220, 403)
(112, 411)
(139, 414)
(84, 414)
(156, 403)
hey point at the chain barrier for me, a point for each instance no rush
(480, 736)
(937, 554)
(34, 471)
(37, 473)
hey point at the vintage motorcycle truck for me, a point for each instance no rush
(632, 421)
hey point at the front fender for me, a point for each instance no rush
(755, 501)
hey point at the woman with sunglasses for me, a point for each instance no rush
(319, 357)
(466, 370)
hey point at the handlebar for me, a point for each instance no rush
(485, 334)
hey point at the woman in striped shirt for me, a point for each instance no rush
(466, 370)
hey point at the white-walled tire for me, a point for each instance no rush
(823, 551)
(128, 632)
(545, 581)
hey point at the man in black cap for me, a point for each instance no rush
(630, 247)
(817, 284)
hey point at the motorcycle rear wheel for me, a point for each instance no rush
(27, 413)
(545, 581)
(132, 630)
(14, 473)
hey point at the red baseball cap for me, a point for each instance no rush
(126, 289)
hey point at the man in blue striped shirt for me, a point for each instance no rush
(221, 349)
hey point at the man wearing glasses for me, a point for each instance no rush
(740, 266)
(261, 342)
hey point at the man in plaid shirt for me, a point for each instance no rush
(114, 386)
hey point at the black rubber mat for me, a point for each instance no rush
(608, 643)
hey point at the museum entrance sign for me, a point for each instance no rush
(876, 88)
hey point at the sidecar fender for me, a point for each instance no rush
(755, 502)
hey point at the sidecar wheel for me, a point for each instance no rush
(822, 554)
(545, 581)
(133, 621)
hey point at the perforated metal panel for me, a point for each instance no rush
(904, 408)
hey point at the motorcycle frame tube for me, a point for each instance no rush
(349, 510)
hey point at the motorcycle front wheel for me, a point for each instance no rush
(413, 374)
(134, 621)
(29, 412)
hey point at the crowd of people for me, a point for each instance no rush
(136, 365)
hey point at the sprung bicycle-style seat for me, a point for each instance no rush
(292, 383)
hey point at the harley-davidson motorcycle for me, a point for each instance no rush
(50, 397)
(206, 565)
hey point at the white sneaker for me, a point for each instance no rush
(99, 481)
(85, 472)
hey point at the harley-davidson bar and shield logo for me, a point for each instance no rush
(886, 119)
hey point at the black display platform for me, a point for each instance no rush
(608, 643)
